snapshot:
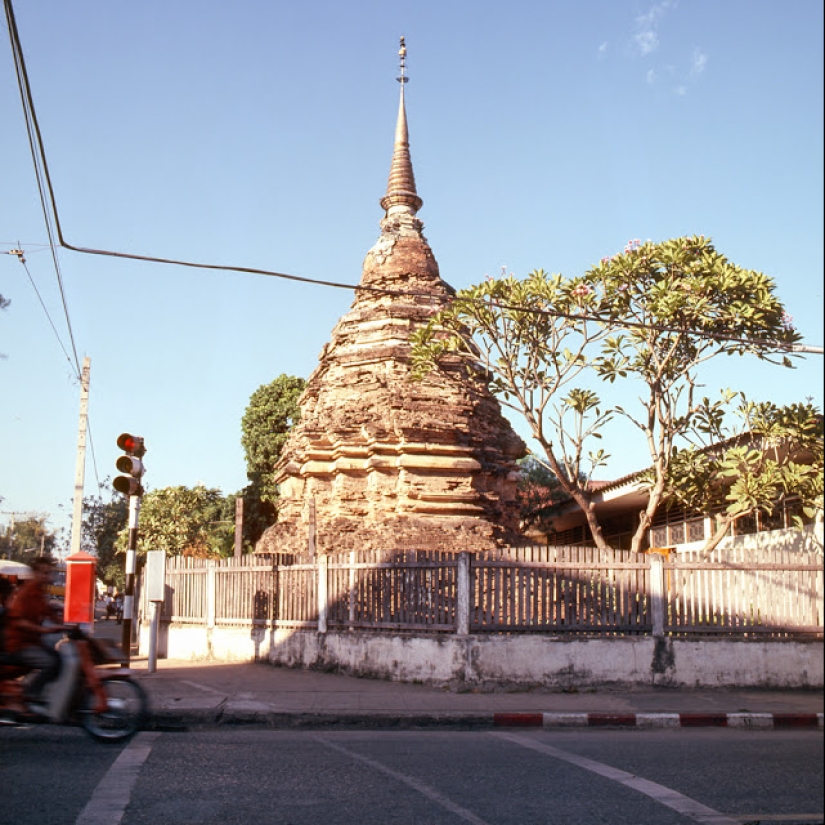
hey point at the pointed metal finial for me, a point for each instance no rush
(401, 196)
(402, 56)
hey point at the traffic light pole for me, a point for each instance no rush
(129, 595)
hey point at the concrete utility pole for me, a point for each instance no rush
(80, 464)
(238, 527)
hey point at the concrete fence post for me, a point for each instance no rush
(210, 593)
(462, 619)
(323, 566)
(352, 590)
(657, 593)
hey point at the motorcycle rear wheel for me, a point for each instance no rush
(125, 714)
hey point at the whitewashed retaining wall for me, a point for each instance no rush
(514, 659)
(524, 661)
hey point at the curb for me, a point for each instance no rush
(751, 721)
(181, 720)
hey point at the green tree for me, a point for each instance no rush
(539, 494)
(652, 314)
(530, 340)
(103, 522)
(27, 539)
(733, 473)
(184, 521)
(272, 412)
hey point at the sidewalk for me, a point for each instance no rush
(188, 694)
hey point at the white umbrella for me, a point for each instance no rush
(15, 568)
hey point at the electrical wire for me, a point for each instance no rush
(34, 130)
(40, 168)
(45, 309)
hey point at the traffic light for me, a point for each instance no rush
(131, 464)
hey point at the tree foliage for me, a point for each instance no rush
(273, 410)
(104, 519)
(775, 452)
(184, 521)
(26, 539)
(538, 494)
(653, 314)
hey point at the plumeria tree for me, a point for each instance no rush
(530, 339)
(734, 472)
(651, 315)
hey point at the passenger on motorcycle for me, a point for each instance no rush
(28, 622)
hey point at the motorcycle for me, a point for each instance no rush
(91, 690)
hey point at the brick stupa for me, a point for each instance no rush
(379, 460)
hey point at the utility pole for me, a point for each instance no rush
(80, 463)
(238, 527)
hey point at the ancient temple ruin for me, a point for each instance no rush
(379, 460)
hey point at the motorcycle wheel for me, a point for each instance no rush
(125, 714)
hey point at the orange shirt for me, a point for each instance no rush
(29, 603)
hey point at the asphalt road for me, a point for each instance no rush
(59, 776)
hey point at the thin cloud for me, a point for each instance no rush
(602, 49)
(646, 37)
(698, 62)
(647, 42)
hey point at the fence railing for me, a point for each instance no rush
(557, 590)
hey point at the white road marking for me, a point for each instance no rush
(111, 796)
(415, 784)
(665, 796)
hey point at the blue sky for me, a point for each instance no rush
(260, 134)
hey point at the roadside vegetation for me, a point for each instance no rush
(650, 319)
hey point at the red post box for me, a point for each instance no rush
(80, 588)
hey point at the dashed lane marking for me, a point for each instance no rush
(416, 784)
(111, 796)
(665, 796)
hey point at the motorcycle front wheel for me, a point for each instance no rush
(125, 713)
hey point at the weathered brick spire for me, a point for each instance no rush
(401, 193)
(377, 460)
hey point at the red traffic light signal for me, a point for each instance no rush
(131, 444)
(130, 463)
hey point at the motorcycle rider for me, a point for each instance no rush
(28, 621)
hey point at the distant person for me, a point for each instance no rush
(29, 619)
(6, 590)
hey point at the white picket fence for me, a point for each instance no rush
(741, 591)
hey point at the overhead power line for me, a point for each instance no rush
(43, 305)
(40, 169)
(39, 154)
